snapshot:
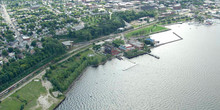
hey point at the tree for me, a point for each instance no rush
(17, 51)
(117, 42)
(4, 53)
(10, 49)
(96, 47)
(34, 43)
(27, 46)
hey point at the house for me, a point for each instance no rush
(149, 39)
(5, 60)
(126, 47)
(148, 7)
(26, 38)
(177, 7)
(111, 50)
(143, 19)
(11, 55)
(39, 45)
(68, 44)
(136, 44)
(32, 51)
(20, 56)
(162, 7)
(35, 7)
(121, 29)
(1, 60)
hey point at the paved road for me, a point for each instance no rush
(8, 21)
(5, 15)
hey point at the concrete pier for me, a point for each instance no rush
(157, 57)
(180, 38)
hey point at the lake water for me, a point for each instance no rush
(186, 77)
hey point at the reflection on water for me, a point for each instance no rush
(186, 77)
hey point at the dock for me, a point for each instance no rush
(129, 67)
(157, 57)
(119, 57)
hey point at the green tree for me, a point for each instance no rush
(10, 49)
(118, 42)
(27, 46)
(4, 53)
(34, 43)
(96, 47)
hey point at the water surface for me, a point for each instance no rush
(186, 77)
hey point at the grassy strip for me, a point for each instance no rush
(172, 20)
(25, 98)
(146, 31)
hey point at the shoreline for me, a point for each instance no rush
(59, 103)
(77, 79)
(68, 103)
(56, 105)
(82, 73)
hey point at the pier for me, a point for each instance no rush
(119, 57)
(180, 38)
(157, 57)
(129, 67)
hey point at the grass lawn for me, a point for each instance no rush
(145, 31)
(135, 26)
(26, 96)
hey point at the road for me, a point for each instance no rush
(9, 22)
(6, 16)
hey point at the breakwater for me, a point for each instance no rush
(180, 38)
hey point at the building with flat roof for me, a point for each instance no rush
(136, 44)
(68, 44)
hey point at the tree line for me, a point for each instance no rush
(129, 16)
(105, 26)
